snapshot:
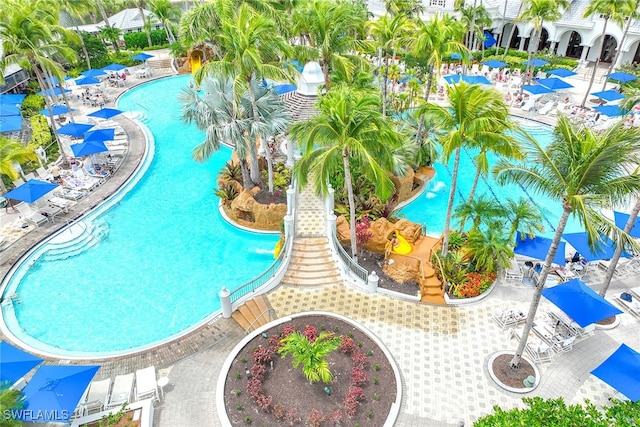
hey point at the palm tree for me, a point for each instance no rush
(426, 151)
(610, 10)
(349, 129)
(523, 216)
(474, 114)
(10, 400)
(536, 12)
(480, 209)
(167, 13)
(77, 9)
(584, 172)
(513, 29)
(105, 19)
(489, 249)
(11, 152)
(111, 34)
(631, 16)
(251, 47)
(311, 355)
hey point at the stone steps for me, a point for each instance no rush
(76, 240)
(253, 313)
(311, 263)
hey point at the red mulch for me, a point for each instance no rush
(509, 376)
(607, 321)
(291, 389)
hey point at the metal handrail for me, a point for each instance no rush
(272, 315)
(351, 265)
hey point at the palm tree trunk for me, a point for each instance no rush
(84, 48)
(452, 196)
(596, 62)
(472, 37)
(147, 28)
(619, 50)
(504, 13)
(170, 35)
(267, 155)
(325, 71)
(105, 18)
(253, 149)
(472, 194)
(246, 177)
(386, 83)
(426, 98)
(535, 301)
(36, 70)
(616, 255)
(352, 205)
(513, 30)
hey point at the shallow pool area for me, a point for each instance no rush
(162, 257)
(430, 207)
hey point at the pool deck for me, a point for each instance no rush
(441, 351)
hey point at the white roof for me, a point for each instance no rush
(128, 19)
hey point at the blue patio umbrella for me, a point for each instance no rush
(88, 148)
(53, 91)
(476, 80)
(11, 98)
(621, 371)
(621, 77)
(561, 72)
(494, 63)
(455, 56)
(536, 62)
(10, 123)
(99, 135)
(608, 95)
(57, 110)
(54, 80)
(9, 110)
(538, 247)
(31, 191)
(621, 222)
(114, 67)
(605, 248)
(87, 81)
(489, 40)
(453, 78)
(281, 89)
(93, 73)
(580, 302)
(141, 56)
(54, 392)
(537, 89)
(554, 83)
(105, 113)
(611, 110)
(14, 363)
(75, 129)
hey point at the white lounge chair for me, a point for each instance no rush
(632, 306)
(546, 109)
(98, 396)
(28, 214)
(514, 271)
(509, 318)
(146, 384)
(122, 391)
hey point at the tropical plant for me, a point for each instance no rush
(350, 129)
(111, 34)
(12, 152)
(311, 355)
(483, 208)
(230, 171)
(523, 216)
(227, 193)
(490, 249)
(424, 146)
(167, 13)
(584, 172)
(632, 16)
(10, 400)
(475, 114)
(77, 9)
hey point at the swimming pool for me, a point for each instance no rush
(430, 207)
(165, 258)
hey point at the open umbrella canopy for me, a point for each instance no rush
(608, 95)
(494, 63)
(14, 363)
(54, 392)
(105, 113)
(141, 56)
(554, 83)
(455, 56)
(605, 248)
(57, 110)
(93, 73)
(10, 123)
(611, 110)
(53, 92)
(537, 89)
(538, 247)
(621, 371)
(9, 110)
(99, 135)
(114, 67)
(31, 190)
(456, 78)
(580, 302)
(11, 98)
(621, 221)
(536, 62)
(561, 72)
(75, 129)
(621, 77)
(88, 148)
(87, 81)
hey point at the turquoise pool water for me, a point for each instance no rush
(166, 255)
(431, 206)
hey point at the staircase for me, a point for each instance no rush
(300, 107)
(311, 263)
(431, 289)
(254, 313)
(76, 240)
(160, 64)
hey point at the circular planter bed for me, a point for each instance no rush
(365, 388)
(608, 323)
(511, 379)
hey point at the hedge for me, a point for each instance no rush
(139, 40)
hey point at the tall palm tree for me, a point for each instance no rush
(537, 12)
(311, 355)
(474, 114)
(78, 9)
(513, 28)
(168, 14)
(252, 48)
(584, 172)
(12, 152)
(350, 129)
(489, 249)
(107, 23)
(631, 16)
(523, 216)
(610, 10)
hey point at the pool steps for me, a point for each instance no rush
(79, 239)
(311, 264)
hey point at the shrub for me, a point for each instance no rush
(227, 193)
(352, 400)
(32, 104)
(475, 284)
(310, 332)
(347, 345)
(264, 402)
(254, 388)
(358, 376)
(336, 417)
(41, 135)
(287, 330)
(293, 417)
(359, 359)
(230, 171)
(258, 372)
(139, 39)
(278, 412)
(263, 355)
(315, 418)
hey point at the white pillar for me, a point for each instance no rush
(225, 302)
(330, 200)
(290, 159)
(288, 226)
(372, 282)
(290, 195)
(331, 224)
(583, 57)
(522, 40)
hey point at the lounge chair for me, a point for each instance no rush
(528, 104)
(509, 318)
(30, 215)
(514, 271)
(70, 194)
(122, 391)
(632, 306)
(146, 384)
(546, 109)
(98, 396)
(565, 345)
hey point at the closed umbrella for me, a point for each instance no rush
(621, 371)
(31, 190)
(15, 363)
